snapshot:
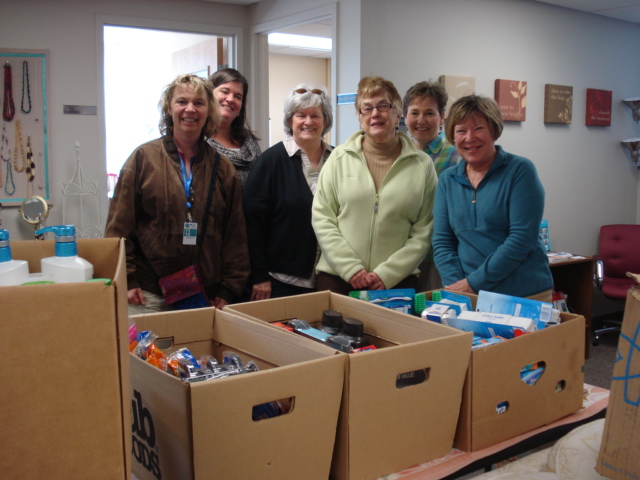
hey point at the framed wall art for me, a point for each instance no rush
(24, 158)
(457, 87)
(511, 96)
(598, 107)
(558, 103)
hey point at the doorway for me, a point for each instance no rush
(138, 64)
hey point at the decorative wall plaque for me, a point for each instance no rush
(598, 107)
(511, 96)
(558, 103)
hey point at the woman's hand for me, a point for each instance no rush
(261, 291)
(220, 302)
(375, 283)
(360, 280)
(136, 297)
(460, 286)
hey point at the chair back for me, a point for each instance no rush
(619, 250)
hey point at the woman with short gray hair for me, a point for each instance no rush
(278, 196)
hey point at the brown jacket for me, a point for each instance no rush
(149, 210)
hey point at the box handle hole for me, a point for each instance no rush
(415, 377)
(560, 386)
(530, 374)
(275, 408)
(502, 407)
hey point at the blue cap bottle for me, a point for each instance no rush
(66, 266)
(12, 272)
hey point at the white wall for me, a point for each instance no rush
(285, 72)
(588, 177)
(67, 28)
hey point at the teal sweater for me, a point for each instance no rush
(490, 235)
(387, 232)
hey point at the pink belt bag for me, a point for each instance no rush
(184, 289)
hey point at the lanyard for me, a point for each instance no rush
(187, 186)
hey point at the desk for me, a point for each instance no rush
(575, 279)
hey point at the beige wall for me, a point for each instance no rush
(285, 72)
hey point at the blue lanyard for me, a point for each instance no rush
(186, 182)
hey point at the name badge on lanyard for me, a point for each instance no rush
(190, 231)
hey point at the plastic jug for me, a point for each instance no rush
(12, 272)
(66, 266)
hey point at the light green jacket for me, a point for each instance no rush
(388, 232)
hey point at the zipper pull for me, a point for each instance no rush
(375, 206)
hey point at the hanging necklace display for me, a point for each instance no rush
(9, 185)
(9, 110)
(25, 81)
(19, 146)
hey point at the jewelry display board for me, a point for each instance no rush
(24, 159)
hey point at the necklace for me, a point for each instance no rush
(31, 167)
(19, 146)
(25, 81)
(9, 108)
(41, 167)
(5, 142)
(9, 182)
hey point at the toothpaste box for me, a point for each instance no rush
(541, 312)
(486, 325)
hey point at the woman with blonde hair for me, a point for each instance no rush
(160, 204)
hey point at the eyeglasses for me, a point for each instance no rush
(383, 107)
(315, 91)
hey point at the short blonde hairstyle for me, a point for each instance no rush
(201, 87)
(371, 86)
(470, 106)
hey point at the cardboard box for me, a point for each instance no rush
(204, 430)
(494, 378)
(620, 447)
(65, 413)
(383, 428)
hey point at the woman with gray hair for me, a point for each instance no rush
(278, 196)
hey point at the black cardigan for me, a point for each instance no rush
(277, 208)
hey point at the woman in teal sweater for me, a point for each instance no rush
(488, 211)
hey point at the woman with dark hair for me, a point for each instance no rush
(160, 204)
(232, 136)
(278, 196)
(372, 213)
(488, 210)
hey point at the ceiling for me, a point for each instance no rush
(621, 9)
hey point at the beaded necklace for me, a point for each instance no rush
(5, 143)
(20, 146)
(9, 108)
(25, 81)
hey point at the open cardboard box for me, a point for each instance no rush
(494, 378)
(65, 370)
(384, 428)
(204, 430)
(620, 447)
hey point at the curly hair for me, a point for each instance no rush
(424, 90)
(373, 85)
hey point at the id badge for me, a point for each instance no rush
(190, 233)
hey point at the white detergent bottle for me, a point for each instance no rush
(66, 266)
(12, 272)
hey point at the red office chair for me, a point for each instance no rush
(619, 253)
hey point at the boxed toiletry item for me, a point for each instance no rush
(401, 401)
(620, 447)
(206, 430)
(65, 370)
(500, 400)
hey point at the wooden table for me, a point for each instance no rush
(575, 279)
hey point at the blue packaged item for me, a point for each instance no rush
(450, 298)
(398, 299)
(540, 312)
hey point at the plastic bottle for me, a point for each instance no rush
(66, 266)
(331, 322)
(12, 272)
(353, 330)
